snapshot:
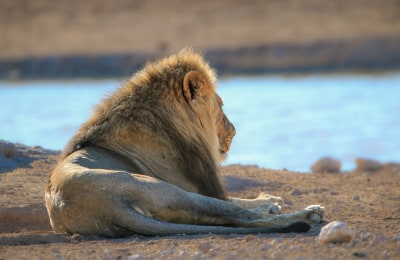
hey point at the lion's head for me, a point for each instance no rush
(167, 117)
(207, 105)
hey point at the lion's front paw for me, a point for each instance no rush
(270, 198)
(314, 213)
(270, 208)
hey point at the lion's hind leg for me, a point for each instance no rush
(130, 222)
(156, 207)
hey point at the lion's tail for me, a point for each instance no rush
(137, 223)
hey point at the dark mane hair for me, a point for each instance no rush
(198, 164)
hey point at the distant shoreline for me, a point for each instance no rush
(323, 56)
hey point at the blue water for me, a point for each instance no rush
(281, 122)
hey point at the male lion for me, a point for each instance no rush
(147, 162)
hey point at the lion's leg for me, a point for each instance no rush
(261, 205)
(269, 198)
(169, 203)
(164, 201)
(262, 199)
(116, 203)
(132, 222)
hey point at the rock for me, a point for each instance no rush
(205, 247)
(233, 183)
(9, 150)
(360, 254)
(326, 164)
(368, 165)
(14, 155)
(336, 232)
(296, 192)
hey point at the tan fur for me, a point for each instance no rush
(147, 162)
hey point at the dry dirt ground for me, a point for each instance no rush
(367, 201)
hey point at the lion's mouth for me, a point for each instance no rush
(223, 151)
(222, 155)
(224, 148)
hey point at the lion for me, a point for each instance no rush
(147, 162)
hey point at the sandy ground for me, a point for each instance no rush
(367, 201)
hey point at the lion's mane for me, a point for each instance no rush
(151, 103)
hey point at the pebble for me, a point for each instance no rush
(368, 165)
(205, 247)
(296, 192)
(360, 254)
(326, 164)
(365, 236)
(336, 232)
(9, 150)
(277, 240)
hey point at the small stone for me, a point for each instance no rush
(368, 165)
(383, 238)
(296, 192)
(9, 150)
(326, 164)
(356, 197)
(277, 240)
(250, 238)
(385, 255)
(365, 236)
(266, 247)
(336, 232)
(205, 247)
(360, 254)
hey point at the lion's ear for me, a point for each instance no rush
(193, 85)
